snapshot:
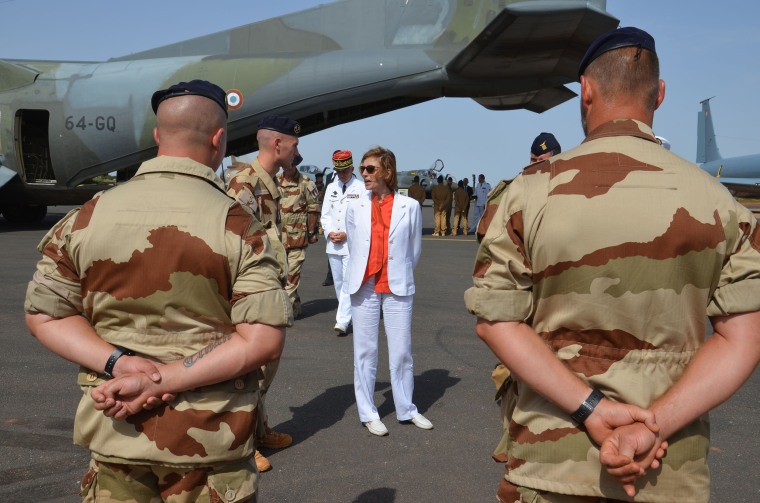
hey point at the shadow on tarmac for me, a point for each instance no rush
(329, 408)
(379, 495)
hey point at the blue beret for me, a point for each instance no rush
(545, 142)
(280, 124)
(616, 39)
(194, 87)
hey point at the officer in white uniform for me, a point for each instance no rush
(339, 193)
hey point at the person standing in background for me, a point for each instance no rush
(482, 188)
(255, 186)
(299, 206)
(441, 196)
(344, 188)
(461, 201)
(417, 191)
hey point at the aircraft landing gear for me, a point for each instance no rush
(24, 214)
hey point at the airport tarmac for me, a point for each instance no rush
(333, 458)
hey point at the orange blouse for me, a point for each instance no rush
(377, 264)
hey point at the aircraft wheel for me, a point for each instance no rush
(20, 214)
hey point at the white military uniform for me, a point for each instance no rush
(333, 219)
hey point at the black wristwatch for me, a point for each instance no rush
(118, 353)
(587, 407)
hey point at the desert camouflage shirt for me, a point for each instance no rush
(298, 200)
(253, 187)
(492, 205)
(164, 265)
(615, 253)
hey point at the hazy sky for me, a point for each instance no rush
(706, 48)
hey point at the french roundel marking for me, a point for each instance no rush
(234, 99)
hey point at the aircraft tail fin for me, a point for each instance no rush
(707, 146)
(13, 76)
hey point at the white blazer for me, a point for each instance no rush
(404, 242)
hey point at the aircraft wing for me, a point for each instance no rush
(540, 42)
(748, 187)
(13, 76)
(535, 101)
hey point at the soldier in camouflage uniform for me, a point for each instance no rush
(600, 268)
(179, 297)
(300, 209)
(255, 186)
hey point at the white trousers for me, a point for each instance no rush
(338, 266)
(479, 210)
(397, 319)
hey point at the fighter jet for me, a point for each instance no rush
(428, 177)
(64, 123)
(741, 175)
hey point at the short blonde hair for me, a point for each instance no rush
(387, 163)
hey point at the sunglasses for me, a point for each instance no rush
(369, 169)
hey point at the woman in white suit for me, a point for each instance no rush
(384, 231)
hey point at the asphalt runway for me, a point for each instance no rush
(333, 458)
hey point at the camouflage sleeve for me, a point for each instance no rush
(55, 288)
(502, 277)
(739, 284)
(312, 197)
(241, 189)
(258, 295)
(492, 203)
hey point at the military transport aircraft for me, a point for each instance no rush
(741, 175)
(64, 123)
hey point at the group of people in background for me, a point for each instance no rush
(599, 267)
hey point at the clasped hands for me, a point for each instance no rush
(337, 237)
(137, 385)
(629, 440)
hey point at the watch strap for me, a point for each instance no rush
(587, 407)
(117, 353)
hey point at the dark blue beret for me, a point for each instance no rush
(194, 87)
(616, 39)
(280, 124)
(545, 142)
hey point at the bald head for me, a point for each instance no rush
(191, 126)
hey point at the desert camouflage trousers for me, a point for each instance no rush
(510, 493)
(296, 257)
(236, 482)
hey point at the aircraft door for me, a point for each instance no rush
(32, 146)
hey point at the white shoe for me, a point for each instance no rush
(341, 328)
(376, 427)
(421, 421)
